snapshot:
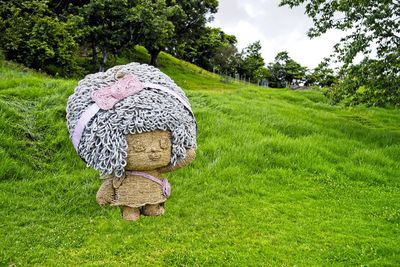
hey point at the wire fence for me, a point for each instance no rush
(227, 78)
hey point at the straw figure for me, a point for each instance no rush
(132, 123)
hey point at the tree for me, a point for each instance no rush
(252, 60)
(370, 24)
(155, 26)
(226, 59)
(190, 25)
(214, 50)
(108, 27)
(294, 72)
(277, 79)
(323, 75)
(285, 71)
(262, 74)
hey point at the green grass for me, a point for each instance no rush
(281, 179)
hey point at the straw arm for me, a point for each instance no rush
(190, 156)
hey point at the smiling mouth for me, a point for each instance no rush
(154, 156)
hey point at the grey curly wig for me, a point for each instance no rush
(103, 144)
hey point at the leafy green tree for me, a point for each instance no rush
(214, 50)
(294, 72)
(262, 73)
(285, 71)
(252, 60)
(108, 28)
(155, 28)
(323, 75)
(373, 27)
(277, 71)
(190, 26)
(226, 59)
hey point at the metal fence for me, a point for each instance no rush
(227, 78)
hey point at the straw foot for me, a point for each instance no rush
(153, 210)
(130, 214)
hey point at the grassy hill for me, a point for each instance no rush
(281, 179)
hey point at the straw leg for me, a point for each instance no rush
(104, 195)
(130, 214)
(154, 210)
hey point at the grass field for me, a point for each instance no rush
(281, 179)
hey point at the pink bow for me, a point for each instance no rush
(108, 96)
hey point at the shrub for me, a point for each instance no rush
(36, 38)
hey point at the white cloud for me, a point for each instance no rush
(248, 33)
(305, 51)
(252, 11)
(278, 29)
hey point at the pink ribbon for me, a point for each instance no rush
(108, 96)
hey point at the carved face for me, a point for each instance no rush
(148, 151)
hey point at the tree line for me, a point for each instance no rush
(45, 34)
(57, 36)
(54, 35)
(223, 57)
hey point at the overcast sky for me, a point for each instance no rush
(278, 29)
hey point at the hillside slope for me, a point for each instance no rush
(281, 178)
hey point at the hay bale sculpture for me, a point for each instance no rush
(132, 123)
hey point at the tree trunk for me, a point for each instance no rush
(154, 54)
(104, 59)
(94, 55)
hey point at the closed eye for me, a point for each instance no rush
(164, 143)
